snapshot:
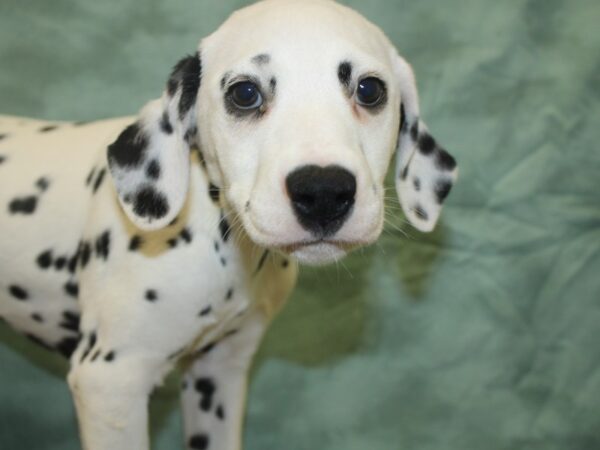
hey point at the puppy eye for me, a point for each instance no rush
(245, 95)
(370, 91)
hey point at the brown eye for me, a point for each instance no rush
(370, 91)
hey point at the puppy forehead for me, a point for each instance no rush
(293, 32)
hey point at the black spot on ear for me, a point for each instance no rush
(110, 356)
(345, 73)
(135, 243)
(213, 192)
(44, 260)
(85, 252)
(42, 184)
(186, 73)
(186, 235)
(129, 148)
(70, 321)
(60, 262)
(90, 346)
(150, 203)
(151, 295)
(153, 170)
(414, 131)
(72, 289)
(261, 59)
(206, 388)
(420, 212)
(103, 245)
(442, 189)
(426, 144)
(99, 180)
(198, 442)
(24, 205)
(172, 243)
(403, 123)
(220, 412)
(48, 128)
(229, 294)
(37, 317)
(444, 160)
(18, 292)
(67, 346)
(165, 124)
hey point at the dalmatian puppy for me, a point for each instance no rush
(172, 238)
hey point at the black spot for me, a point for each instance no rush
(2, 159)
(153, 170)
(426, 144)
(190, 137)
(24, 205)
(74, 259)
(103, 245)
(95, 355)
(261, 59)
(220, 412)
(186, 235)
(44, 260)
(217, 246)
(18, 292)
(37, 317)
(261, 262)
(403, 123)
(206, 388)
(420, 212)
(345, 73)
(273, 85)
(404, 173)
(48, 128)
(151, 295)
(129, 148)
(223, 261)
(206, 311)
(38, 341)
(60, 262)
(150, 203)
(42, 184)
(444, 160)
(187, 74)
(3, 136)
(442, 189)
(198, 442)
(90, 346)
(67, 346)
(174, 221)
(207, 348)
(90, 176)
(414, 131)
(172, 243)
(71, 288)
(110, 356)
(229, 294)
(224, 228)
(85, 252)
(165, 123)
(135, 243)
(70, 321)
(99, 180)
(417, 184)
(213, 192)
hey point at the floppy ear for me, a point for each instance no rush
(149, 161)
(425, 172)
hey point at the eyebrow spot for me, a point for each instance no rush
(345, 73)
(261, 59)
(225, 79)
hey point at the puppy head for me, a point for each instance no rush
(301, 107)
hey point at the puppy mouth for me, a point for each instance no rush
(345, 246)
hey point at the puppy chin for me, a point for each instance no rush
(318, 254)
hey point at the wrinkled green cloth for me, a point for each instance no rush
(482, 335)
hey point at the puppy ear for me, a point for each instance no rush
(149, 161)
(425, 172)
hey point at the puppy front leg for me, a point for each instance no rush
(111, 393)
(214, 389)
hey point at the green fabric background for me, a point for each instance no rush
(482, 335)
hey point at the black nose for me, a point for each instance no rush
(321, 197)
